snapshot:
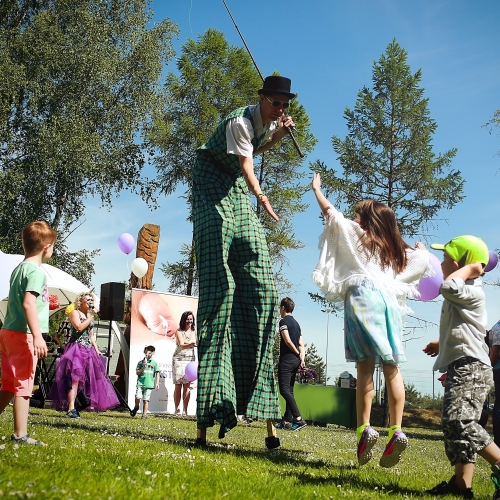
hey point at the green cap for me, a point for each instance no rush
(472, 248)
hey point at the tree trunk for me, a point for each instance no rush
(148, 240)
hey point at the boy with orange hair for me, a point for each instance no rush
(21, 341)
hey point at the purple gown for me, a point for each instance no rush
(81, 362)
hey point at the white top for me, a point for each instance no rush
(239, 132)
(343, 263)
(462, 328)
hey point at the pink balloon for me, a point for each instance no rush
(192, 371)
(429, 287)
(126, 243)
(492, 263)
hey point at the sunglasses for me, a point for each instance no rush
(278, 104)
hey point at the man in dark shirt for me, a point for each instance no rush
(292, 355)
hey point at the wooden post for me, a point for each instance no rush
(148, 240)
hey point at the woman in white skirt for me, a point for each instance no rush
(186, 340)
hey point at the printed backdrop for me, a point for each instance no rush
(155, 319)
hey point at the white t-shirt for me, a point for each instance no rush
(239, 132)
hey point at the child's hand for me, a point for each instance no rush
(40, 346)
(157, 387)
(316, 183)
(432, 348)
(419, 246)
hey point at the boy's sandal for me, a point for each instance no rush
(27, 440)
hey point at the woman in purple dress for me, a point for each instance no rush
(80, 367)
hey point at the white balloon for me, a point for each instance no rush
(139, 267)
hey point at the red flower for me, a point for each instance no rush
(54, 302)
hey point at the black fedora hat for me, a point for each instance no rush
(277, 85)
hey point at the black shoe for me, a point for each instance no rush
(272, 442)
(200, 443)
(134, 411)
(450, 488)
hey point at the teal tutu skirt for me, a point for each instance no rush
(373, 326)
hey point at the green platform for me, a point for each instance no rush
(325, 404)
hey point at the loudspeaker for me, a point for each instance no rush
(112, 301)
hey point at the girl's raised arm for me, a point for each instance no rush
(323, 203)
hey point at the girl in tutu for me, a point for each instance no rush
(366, 264)
(80, 367)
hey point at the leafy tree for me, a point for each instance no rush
(183, 276)
(214, 79)
(80, 84)
(387, 154)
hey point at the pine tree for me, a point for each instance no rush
(315, 361)
(387, 154)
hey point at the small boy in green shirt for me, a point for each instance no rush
(148, 378)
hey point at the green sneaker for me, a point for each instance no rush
(495, 477)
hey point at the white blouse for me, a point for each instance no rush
(344, 262)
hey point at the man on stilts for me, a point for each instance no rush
(238, 298)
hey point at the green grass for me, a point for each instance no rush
(112, 456)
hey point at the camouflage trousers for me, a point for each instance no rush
(468, 382)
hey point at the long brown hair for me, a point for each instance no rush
(382, 236)
(182, 322)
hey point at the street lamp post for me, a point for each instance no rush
(327, 311)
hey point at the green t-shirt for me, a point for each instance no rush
(147, 377)
(27, 277)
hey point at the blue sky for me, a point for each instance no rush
(328, 48)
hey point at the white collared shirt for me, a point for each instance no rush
(239, 132)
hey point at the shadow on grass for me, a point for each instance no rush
(277, 456)
(347, 476)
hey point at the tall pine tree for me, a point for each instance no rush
(387, 154)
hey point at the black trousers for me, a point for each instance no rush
(287, 369)
(496, 408)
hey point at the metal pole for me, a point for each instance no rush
(288, 129)
(326, 356)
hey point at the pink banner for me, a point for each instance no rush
(155, 319)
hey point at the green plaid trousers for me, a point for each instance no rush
(238, 299)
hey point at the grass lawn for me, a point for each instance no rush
(113, 456)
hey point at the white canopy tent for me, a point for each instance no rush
(65, 286)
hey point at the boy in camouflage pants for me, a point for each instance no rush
(462, 353)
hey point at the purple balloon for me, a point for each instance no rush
(492, 263)
(192, 371)
(126, 243)
(429, 287)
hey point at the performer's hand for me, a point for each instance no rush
(285, 121)
(264, 201)
(432, 348)
(39, 346)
